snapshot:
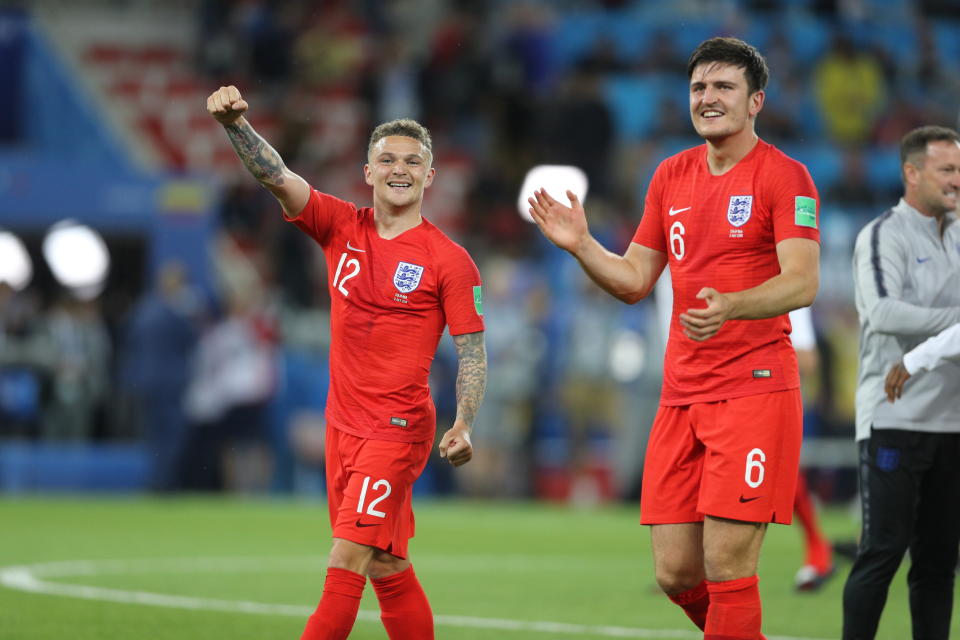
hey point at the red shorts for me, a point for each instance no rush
(735, 459)
(370, 488)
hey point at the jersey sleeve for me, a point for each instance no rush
(461, 293)
(794, 202)
(650, 230)
(319, 216)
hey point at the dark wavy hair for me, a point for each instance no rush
(735, 52)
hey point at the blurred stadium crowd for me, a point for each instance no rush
(210, 365)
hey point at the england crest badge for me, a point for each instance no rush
(407, 277)
(739, 210)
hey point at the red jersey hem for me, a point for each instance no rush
(719, 397)
(370, 434)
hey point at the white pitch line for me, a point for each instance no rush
(25, 578)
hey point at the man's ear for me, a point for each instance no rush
(756, 102)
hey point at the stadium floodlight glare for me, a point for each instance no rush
(16, 268)
(78, 258)
(556, 179)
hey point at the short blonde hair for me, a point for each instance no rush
(405, 127)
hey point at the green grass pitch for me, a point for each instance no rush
(253, 569)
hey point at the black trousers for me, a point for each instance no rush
(910, 494)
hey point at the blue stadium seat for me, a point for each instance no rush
(576, 34)
(946, 33)
(883, 167)
(824, 162)
(809, 38)
(634, 102)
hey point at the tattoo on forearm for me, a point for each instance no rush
(258, 157)
(471, 375)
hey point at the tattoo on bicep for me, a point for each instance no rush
(471, 374)
(257, 155)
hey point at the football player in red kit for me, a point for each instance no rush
(736, 220)
(395, 282)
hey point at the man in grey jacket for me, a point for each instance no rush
(907, 283)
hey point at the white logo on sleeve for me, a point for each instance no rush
(674, 212)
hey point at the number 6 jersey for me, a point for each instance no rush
(722, 232)
(390, 301)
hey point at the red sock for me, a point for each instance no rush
(404, 609)
(338, 606)
(734, 612)
(819, 552)
(694, 603)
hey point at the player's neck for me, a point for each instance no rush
(724, 154)
(390, 223)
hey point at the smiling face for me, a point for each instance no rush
(933, 179)
(398, 168)
(721, 105)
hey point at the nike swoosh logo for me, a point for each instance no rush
(352, 248)
(367, 524)
(742, 499)
(922, 260)
(674, 212)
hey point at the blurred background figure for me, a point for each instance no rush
(78, 337)
(158, 344)
(818, 564)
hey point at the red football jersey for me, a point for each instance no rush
(722, 232)
(390, 302)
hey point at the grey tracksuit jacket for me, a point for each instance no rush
(907, 287)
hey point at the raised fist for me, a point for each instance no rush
(226, 105)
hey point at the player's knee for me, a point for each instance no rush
(384, 564)
(674, 580)
(350, 556)
(728, 565)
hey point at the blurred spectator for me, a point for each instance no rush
(850, 90)
(514, 303)
(662, 54)
(27, 360)
(852, 188)
(233, 380)
(393, 90)
(81, 375)
(158, 346)
(903, 115)
(578, 129)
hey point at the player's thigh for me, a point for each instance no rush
(671, 470)
(731, 549)
(752, 456)
(376, 508)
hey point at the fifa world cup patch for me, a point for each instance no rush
(478, 300)
(805, 212)
(762, 373)
(398, 422)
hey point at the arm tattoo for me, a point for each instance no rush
(471, 374)
(258, 157)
